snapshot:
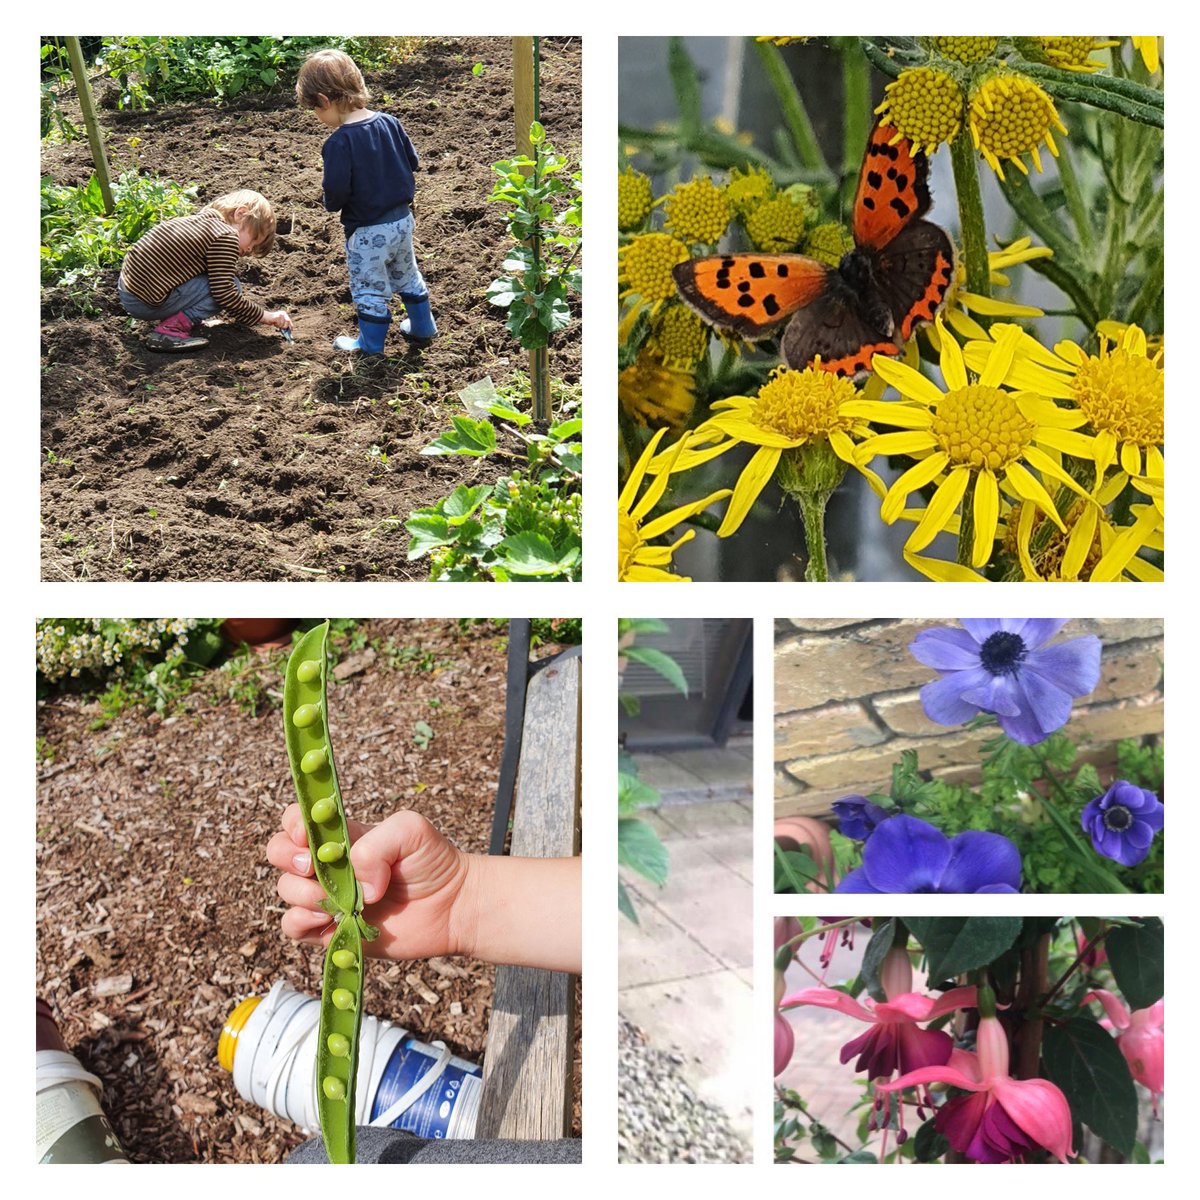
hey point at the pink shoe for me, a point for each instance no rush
(178, 326)
(174, 336)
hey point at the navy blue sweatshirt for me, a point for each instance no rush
(369, 169)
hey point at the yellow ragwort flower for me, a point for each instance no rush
(828, 243)
(653, 395)
(747, 189)
(634, 199)
(1117, 393)
(639, 561)
(781, 41)
(792, 409)
(644, 268)
(1010, 116)
(961, 303)
(697, 211)
(975, 433)
(1147, 47)
(925, 105)
(1072, 53)
(777, 225)
(964, 49)
(679, 337)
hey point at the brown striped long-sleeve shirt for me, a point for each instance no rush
(179, 250)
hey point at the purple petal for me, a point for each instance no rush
(945, 649)
(906, 855)
(998, 887)
(982, 628)
(1139, 834)
(998, 694)
(856, 881)
(1038, 630)
(1073, 666)
(943, 698)
(1044, 708)
(979, 860)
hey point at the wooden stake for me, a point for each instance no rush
(95, 141)
(524, 114)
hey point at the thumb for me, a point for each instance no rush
(377, 855)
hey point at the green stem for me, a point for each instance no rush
(812, 512)
(1084, 224)
(856, 105)
(970, 216)
(966, 524)
(792, 106)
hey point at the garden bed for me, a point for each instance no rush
(157, 911)
(260, 459)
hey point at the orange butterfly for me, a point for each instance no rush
(896, 277)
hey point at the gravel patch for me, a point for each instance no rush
(660, 1119)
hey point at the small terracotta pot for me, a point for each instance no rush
(256, 631)
(793, 833)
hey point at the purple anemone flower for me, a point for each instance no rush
(905, 854)
(857, 816)
(1122, 823)
(1001, 665)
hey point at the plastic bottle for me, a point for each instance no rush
(269, 1044)
(71, 1125)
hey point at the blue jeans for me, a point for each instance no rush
(381, 262)
(194, 299)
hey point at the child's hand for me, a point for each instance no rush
(411, 878)
(278, 318)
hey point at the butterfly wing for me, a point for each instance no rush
(829, 328)
(751, 294)
(893, 189)
(914, 274)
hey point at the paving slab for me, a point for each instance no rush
(658, 948)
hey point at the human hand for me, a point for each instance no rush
(278, 318)
(412, 880)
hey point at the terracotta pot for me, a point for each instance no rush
(256, 631)
(793, 833)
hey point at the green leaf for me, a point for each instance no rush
(640, 849)
(474, 438)
(625, 904)
(1083, 1060)
(463, 501)
(478, 396)
(532, 554)
(664, 664)
(883, 935)
(633, 794)
(502, 292)
(1135, 954)
(957, 944)
(427, 533)
(860, 1156)
(929, 1145)
(794, 870)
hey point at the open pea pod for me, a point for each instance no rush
(337, 1040)
(310, 752)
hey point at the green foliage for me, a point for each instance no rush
(160, 70)
(794, 1123)
(545, 216)
(525, 527)
(953, 945)
(1135, 954)
(79, 241)
(56, 74)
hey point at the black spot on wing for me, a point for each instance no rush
(867, 202)
(782, 271)
(744, 286)
(770, 304)
(902, 209)
(745, 301)
(757, 271)
(874, 180)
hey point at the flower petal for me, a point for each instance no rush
(1040, 1110)
(905, 855)
(979, 860)
(945, 649)
(828, 998)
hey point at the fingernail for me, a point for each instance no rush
(370, 893)
(302, 862)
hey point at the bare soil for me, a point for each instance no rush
(157, 910)
(260, 459)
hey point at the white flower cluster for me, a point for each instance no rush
(103, 646)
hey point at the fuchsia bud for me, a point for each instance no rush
(896, 973)
(785, 1043)
(1140, 1038)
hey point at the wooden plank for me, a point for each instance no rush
(90, 123)
(527, 1067)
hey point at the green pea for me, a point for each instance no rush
(339, 1046)
(333, 1087)
(329, 852)
(344, 959)
(342, 999)
(322, 810)
(313, 760)
(305, 715)
(307, 671)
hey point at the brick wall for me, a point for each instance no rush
(847, 703)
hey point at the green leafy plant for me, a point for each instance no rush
(79, 241)
(545, 218)
(526, 526)
(639, 848)
(56, 75)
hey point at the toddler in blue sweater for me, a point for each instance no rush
(369, 164)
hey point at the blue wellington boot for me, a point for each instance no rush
(418, 325)
(372, 333)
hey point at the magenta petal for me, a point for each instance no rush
(958, 1119)
(1041, 1111)
(921, 1047)
(828, 998)
(1118, 1014)
(955, 998)
(943, 1074)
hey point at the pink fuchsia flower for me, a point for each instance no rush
(785, 1042)
(1093, 952)
(1002, 1118)
(894, 1042)
(1140, 1038)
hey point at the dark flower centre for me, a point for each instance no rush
(1002, 653)
(1117, 818)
